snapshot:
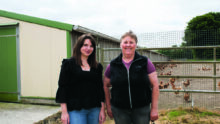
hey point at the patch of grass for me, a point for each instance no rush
(209, 114)
(164, 118)
(175, 113)
(189, 116)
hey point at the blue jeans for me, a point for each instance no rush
(84, 116)
(131, 116)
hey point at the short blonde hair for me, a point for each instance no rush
(131, 34)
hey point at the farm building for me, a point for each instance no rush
(32, 49)
(31, 52)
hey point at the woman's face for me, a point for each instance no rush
(87, 48)
(128, 45)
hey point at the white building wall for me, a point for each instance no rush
(41, 52)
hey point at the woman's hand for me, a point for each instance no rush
(65, 118)
(107, 85)
(109, 111)
(155, 95)
(102, 116)
(153, 115)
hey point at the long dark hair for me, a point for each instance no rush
(77, 53)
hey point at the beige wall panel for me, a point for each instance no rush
(41, 52)
(43, 49)
(59, 52)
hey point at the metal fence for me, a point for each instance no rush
(197, 65)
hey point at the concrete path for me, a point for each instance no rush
(15, 113)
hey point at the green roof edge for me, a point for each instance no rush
(68, 44)
(36, 20)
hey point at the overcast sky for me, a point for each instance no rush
(114, 17)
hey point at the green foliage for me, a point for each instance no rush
(189, 115)
(175, 113)
(177, 53)
(203, 30)
(208, 114)
(207, 21)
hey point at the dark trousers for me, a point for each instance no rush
(131, 116)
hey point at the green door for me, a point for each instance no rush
(8, 65)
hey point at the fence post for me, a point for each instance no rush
(102, 56)
(97, 49)
(98, 53)
(141, 52)
(214, 68)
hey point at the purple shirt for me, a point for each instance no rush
(150, 68)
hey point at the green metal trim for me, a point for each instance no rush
(8, 35)
(9, 97)
(36, 20)
(34, 97)
(7, 31)
(9, 89)
(9, 24)
(9, 92)
(68, 43)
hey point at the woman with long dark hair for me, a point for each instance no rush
(80, 92)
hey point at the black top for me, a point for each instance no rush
(78, 88)
(130, 88)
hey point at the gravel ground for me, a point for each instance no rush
(24, 113)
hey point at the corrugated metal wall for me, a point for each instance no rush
(101, 42)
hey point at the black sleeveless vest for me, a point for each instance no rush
(130, 88)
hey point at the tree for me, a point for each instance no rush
(203, 30)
